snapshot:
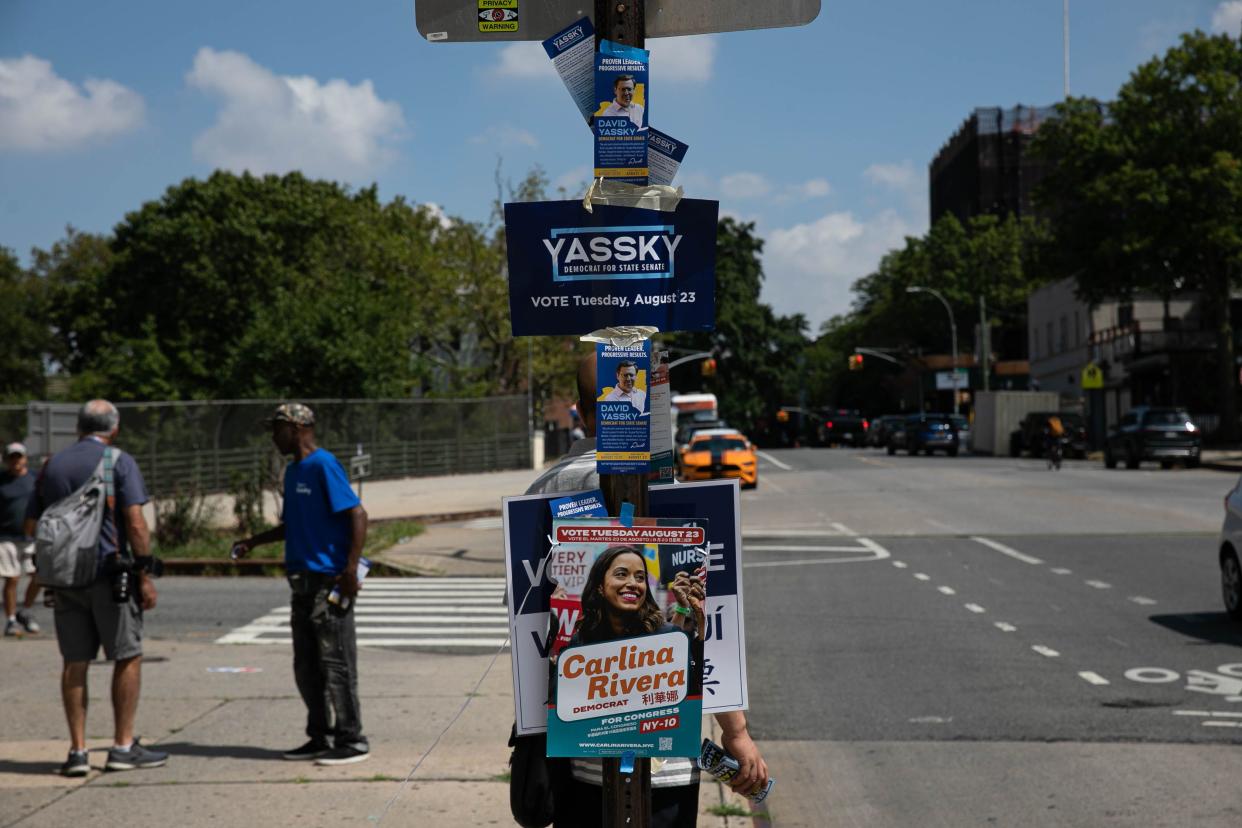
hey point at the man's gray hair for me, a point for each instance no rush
(98, 417)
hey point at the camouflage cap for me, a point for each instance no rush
(295, 413)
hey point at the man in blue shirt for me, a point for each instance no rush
(324, 528)
(88, 617)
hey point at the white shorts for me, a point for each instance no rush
(16, 558)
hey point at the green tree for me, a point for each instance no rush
(1146, 193)
(995, 258)
(27, 337)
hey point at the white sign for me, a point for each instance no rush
(622, 676)
(944, 380)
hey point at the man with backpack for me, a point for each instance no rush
(87, 612)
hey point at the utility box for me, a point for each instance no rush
(999, 413)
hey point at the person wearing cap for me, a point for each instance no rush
(324, 527)
(89, 617)
(16, 549)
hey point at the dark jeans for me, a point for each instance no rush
(325, 660)
(582, 806)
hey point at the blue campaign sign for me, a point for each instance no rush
(573, 272)
(528, 528)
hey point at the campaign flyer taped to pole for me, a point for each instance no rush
(572, 271)
(576, 543)
(622, 421)
(572, 51)
(664, 156)
(621, 98)
(528, 529)
(641, 695)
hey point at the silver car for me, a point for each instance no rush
(1230, 543)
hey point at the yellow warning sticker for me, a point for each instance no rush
(498, 15)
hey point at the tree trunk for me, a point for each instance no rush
(1227, 378)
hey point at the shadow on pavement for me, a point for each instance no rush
(1208, 627)
(29, 768)
(176, 749)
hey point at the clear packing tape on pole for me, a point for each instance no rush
(609, 193)
(621, 336)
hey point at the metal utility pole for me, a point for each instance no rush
(985, 342)
(1065, 43)
(952, 333)
(626, 793)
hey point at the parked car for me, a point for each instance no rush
(718, 452)
(882, 428)
(841, 426)
(1165, 434)
(925, 432)
(1029, 437)
(1227, 555)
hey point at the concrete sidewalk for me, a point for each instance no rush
(226, 732)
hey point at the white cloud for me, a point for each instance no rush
(574, 182)
(898, 176)
(436, 212)
(277, 123)
(525, 60)
(39, 110)
(815, 188)
(1228, 17)
(685, 59)
(809, 268)
(743, 185)
(501, 136)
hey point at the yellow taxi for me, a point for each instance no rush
(718, 452)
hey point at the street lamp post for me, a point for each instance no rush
(952, 332)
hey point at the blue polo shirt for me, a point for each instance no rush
(318, 528)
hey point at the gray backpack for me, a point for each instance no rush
(67, 534)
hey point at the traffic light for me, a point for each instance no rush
(708, 367)
(856, 362)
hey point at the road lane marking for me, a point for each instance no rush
(874, 551)
(1060, 570)
(1215, 714)
(1045, 651)
(1005, 627)
(1005, 550)
(1151, 675)
(764, 548)
(844, 530)
(1142, 601)
(900, 564)
(1098, 584)
(1093, 678)
(774, 461)
(975, 608)
(947, 590)
(1221, 724)
(922, 577)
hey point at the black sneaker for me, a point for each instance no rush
(311, 750)
(345, 755)
(76, 765)
(136, 757)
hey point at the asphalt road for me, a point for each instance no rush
(980, 641)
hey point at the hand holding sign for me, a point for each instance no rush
(690, 593)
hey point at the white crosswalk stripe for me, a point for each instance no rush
(407, 612)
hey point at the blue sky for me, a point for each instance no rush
(822, 135)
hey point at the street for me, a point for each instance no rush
(931, 641)
(1006, 644)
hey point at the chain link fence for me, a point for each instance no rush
(215, 446)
